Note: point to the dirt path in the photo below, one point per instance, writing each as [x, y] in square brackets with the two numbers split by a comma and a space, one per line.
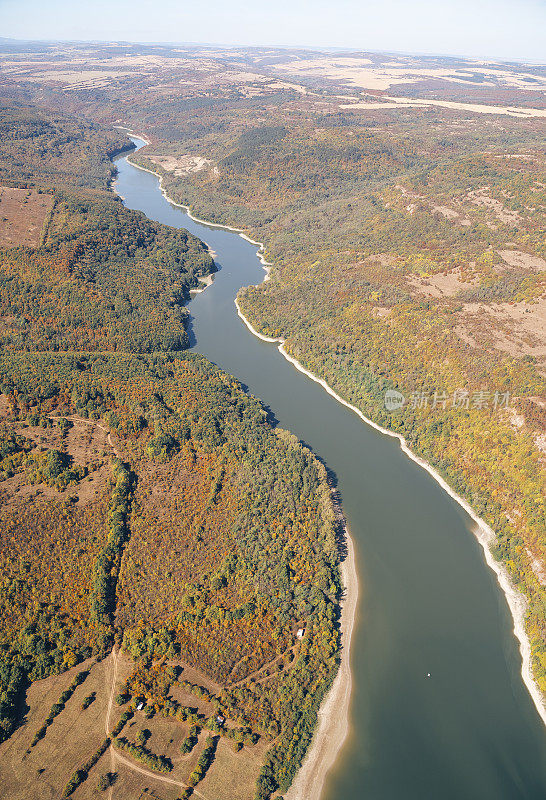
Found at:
[257, 672]
[94, 423]
[115, 756]
[109, 440]
[114, 660]
[181, 785]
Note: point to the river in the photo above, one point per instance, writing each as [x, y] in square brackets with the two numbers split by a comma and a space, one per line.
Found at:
[428, 603]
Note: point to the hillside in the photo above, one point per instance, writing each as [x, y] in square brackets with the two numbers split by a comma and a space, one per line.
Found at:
[401, 202]
[409, 265]
[161, 542]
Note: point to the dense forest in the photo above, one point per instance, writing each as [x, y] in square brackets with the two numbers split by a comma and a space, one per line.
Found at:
[102, 277]
[55, 150]
[146, 503]
[407, 255]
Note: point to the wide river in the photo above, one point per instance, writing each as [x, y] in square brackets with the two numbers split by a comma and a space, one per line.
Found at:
[428, 603]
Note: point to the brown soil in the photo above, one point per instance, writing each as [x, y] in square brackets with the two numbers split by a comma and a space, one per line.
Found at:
[181, 165]
[440, 285]
[87, 442]
[518, 259]
[481, 197]
[22, 216]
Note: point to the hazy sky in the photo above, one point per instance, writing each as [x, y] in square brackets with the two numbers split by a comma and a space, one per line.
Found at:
[476, 28]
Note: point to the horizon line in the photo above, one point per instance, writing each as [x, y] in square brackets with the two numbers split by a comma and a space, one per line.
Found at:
[309, 48]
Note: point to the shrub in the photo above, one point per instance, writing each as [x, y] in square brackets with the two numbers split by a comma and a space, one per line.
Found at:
[104, 783]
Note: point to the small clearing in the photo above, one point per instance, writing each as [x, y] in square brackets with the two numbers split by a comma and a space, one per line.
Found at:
[440, 285]
[481, 197]
[181, 165]
[23, 213]
[518, 259]
[518, 329]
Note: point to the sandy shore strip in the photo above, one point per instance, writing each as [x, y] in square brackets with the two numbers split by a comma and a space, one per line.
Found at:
[485, 535]
[240, 231]
[483, 532]
[205, 282]
[333, 716]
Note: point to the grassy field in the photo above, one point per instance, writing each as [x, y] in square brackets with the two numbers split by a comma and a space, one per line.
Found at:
[23, 213]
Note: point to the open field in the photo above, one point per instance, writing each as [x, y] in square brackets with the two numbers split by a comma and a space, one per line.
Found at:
[401, 203]
[515, 328]
[362, 72]
[197, 72]
[23, 213]
[398, 102]
[41, 772]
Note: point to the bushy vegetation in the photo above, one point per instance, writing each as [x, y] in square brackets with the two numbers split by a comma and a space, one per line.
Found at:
[156, 762]
[102, 598]
[55, 469]
[196, 595]
[359, 214]
[47, 557]
[104, 278]
[41, 147]
[205, 760]
[360, 217]
[212, 539]
[190, 741]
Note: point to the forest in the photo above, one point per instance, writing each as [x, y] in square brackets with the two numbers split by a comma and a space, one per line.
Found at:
[102, 277]
[408, 254]
[147, 506]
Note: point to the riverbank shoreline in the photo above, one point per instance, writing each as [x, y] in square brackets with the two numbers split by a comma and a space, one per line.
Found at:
[205, 283]
[333, 726]
[333, 716]
[485, 535]
[516, 601]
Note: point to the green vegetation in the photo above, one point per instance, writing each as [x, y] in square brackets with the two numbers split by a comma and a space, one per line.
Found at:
[142, 754]
[102, 599]
[87, 701]
[82, 774]
[204, 762]
[59, 706]
[208, 539]
[190, 741]
[44, 148]
[104, 279]
[387, 240]
[386, 229]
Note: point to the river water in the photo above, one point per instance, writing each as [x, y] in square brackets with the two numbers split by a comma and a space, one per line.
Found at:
[428, 602]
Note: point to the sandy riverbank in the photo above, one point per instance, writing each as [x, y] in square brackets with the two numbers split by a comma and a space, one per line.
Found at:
[205, 282]
[482, 531]
[333, 715]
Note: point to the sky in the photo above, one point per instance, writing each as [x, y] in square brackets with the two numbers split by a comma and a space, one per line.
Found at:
[509, 29]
